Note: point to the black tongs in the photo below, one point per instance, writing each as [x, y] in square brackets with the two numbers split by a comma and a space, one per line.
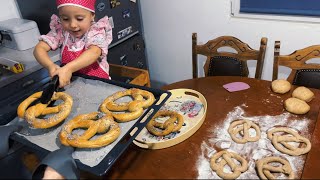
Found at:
[49, 90]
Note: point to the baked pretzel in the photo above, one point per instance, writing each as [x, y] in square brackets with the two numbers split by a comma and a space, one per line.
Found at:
[32, 113]
[282, 142]
[173, 124]
[141, 99]
[227, 159]
[95, 125]
[265, 168]
[241, 127]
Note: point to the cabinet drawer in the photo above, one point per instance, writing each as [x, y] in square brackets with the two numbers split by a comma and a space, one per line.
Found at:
[129, 53]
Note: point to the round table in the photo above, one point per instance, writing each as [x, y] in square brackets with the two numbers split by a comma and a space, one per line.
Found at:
[182, 160]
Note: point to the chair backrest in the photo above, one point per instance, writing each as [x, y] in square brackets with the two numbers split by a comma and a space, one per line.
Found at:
[223, 63]
[302, 73]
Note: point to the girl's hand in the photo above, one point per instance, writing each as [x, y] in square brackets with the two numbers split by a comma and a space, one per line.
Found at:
[64, 76]
[50, 173]
[52, 69]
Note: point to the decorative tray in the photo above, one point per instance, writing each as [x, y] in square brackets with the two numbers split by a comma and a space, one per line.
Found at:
[191, 105]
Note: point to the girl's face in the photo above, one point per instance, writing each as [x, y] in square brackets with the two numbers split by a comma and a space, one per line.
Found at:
[75, 20]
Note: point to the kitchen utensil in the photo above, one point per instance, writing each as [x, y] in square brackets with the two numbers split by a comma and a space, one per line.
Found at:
[49, 90]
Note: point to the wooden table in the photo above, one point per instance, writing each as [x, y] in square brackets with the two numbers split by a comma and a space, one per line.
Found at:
[180, 161]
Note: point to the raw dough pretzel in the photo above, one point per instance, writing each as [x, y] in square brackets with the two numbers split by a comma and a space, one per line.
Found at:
[32, 113]
[265, 168]
[168, 126]
[281, 142]
[227, 159]
[134, 107]
[242, 127]
[94, 125]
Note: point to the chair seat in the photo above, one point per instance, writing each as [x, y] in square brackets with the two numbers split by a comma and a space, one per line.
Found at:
[121, 79]
[130, 75]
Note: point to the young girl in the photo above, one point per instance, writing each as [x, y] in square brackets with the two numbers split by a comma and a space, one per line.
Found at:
[84, 47]
[83, 42]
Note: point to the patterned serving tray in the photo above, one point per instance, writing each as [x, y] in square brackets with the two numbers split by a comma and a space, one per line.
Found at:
[191, 105]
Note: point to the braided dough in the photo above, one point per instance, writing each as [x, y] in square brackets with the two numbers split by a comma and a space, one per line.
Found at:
[173, 124]
[242, 127]
[142, 100]
[280, 86]
[296, 106]
[264, 167]
[281, 142]
[227, 158]
[32, 113]
[95, 125]
[303, 93]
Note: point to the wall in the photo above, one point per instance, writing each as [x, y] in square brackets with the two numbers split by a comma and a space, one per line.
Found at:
[168, 26]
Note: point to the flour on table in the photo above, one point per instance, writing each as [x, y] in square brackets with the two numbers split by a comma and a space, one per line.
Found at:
[251, 151]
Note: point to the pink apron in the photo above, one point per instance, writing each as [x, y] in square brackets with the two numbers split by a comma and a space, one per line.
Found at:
[69, 55]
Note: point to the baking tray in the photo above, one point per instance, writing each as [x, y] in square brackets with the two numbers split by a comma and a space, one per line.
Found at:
[119, 148]
[189, 103]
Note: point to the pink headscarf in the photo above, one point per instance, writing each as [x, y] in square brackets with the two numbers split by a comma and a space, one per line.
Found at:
[86, 4]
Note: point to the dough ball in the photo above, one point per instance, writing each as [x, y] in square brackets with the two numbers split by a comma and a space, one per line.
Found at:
[296, 106]
[280, 86]
[303, 93]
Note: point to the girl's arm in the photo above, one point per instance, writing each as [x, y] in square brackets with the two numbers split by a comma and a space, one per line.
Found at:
[88, 57]
[41, 54]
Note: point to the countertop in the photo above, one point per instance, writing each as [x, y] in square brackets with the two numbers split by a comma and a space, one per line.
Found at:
[26, 58]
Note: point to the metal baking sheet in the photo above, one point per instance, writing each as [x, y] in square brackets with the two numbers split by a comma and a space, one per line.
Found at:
[88, 93]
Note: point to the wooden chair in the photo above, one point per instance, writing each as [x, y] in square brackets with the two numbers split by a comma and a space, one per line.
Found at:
[227, 63]
[135, 75]
[302, 73]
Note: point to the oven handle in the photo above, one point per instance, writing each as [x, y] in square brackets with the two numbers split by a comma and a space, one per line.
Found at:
[1, 37]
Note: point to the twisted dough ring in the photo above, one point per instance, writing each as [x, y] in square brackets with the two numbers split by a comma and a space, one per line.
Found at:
[134, 107]
[94, 125]
[242, 127]
[264, 167]
[32, 113]
[227, 159]
[285, 140]
[168, 126]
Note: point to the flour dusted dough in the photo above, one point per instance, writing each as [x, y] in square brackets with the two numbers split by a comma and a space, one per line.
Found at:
[237, 163]
[280, 86]
[303, 93]
[239, 131]
[266, 167]
[296, 106]
[283, 137]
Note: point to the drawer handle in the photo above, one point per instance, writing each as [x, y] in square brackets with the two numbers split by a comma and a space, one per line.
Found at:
[28, 83]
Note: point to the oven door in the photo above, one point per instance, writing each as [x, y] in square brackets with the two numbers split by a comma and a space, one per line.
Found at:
[14, 93]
